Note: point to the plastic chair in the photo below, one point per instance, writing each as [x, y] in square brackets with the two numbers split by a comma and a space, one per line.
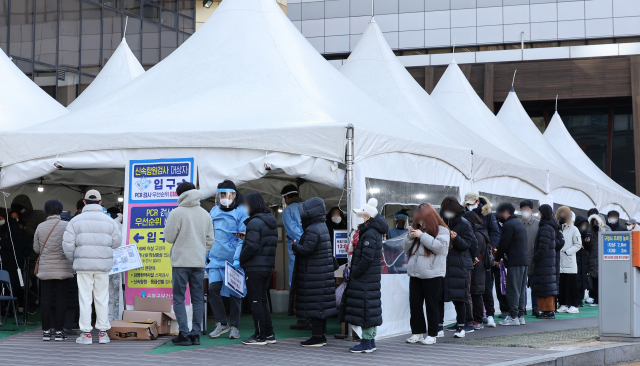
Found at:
[5, 281]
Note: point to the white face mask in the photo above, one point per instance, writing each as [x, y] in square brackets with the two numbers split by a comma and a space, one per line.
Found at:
[613, 220]
[336, 219]
[526, 214]
[2, 222]
[629, 227]
[449, 215]
[226, 202]
[471, 207]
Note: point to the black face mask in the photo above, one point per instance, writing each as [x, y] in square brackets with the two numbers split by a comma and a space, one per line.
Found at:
[562, 220]
[502, 219]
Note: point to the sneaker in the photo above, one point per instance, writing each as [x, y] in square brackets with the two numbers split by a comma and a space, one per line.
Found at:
[60, 336]
[468, 328]
[234, 333]
[324, 340]
[220, 330]
[535, 312]
[417, 338]
[490, 322]
[589, 300]
[373, 345]
[195, 338]
[562, 309]
[502, 315]
[70, 331]
[301, 325]
[485, 320]
[478, 326]
[103, 338]
[85, 338]
[46, 335]
[521, 320]
[459, 333]
[363, 347]
[440, 334]
[255, 341]
[429, 340]
[547, 315]
[313, 342]
[271, 339]
[183, 339]
[509, 321]
[593, 305]
[452, 328]
[573, 310]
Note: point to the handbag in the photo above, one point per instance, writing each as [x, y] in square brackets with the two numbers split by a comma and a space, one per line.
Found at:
[35, 270]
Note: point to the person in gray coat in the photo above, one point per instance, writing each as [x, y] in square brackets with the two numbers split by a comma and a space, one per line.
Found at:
[88, 242]
[54, 270]
[531, 225]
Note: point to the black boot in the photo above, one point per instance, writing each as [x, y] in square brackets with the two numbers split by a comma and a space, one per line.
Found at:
[195, 338]
[535, 312]
[314, 341]
[183, 339]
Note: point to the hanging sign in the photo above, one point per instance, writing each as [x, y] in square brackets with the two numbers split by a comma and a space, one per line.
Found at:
[151, 196]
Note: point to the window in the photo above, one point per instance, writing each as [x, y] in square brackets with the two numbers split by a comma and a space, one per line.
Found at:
[186, 7]
[150, 44]
[132, 6]
[113, 3]
[4, 22]
[169, 42]
[622, 153]
[90, 40]
[182, 37]
[111, 34]
[45, 77]
[589, 126]
[151, 12]
[169, 19]
[46, 37]
[170, 4]
[21, 29]
[69, 39]
[134, 36]
[25, 66]
[186, 25]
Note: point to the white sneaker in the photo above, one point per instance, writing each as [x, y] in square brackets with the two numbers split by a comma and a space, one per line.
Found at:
[562, 309]
[85, 338]
[490, 322]
[459, 334]
[415, 338]
[593, 305]
[521, 320]
[509, 321]
[573, 310]
[440, 334]
[104, 338]
[429, 340]
[589, 300]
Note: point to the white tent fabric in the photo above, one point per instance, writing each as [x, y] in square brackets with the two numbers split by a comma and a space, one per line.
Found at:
[456, 95]
[122, 67]
[611, 192]
[22, 102]
[374, 68]
[246, 80]
[516, 119]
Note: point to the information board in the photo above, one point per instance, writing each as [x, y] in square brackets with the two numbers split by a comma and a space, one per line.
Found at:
[234, 279]
[125, 259]
[152, 192]
[340, 243]
[616, 246]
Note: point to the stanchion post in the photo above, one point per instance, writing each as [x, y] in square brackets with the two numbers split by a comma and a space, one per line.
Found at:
[350, 218]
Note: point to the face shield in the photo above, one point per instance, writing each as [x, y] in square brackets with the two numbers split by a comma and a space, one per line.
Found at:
[225, 197]
[284, 201]
[401, 222]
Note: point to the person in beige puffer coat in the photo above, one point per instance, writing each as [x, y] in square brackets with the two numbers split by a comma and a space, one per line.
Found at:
[53, 270]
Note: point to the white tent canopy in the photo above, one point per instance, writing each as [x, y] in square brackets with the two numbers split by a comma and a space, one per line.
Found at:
[122, 67]
[611, 193]
[456, 95]
[375, 69]
[516, 119]
[22, 102]
[246, 80]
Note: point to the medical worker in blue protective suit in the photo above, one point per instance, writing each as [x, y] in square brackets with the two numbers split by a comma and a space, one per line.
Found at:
[293, 225]
[401, 224]
[228, 223]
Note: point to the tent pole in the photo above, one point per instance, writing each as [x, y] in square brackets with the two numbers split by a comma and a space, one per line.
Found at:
[349, 161]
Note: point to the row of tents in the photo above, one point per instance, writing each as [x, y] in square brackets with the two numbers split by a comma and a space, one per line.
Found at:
[250, 99]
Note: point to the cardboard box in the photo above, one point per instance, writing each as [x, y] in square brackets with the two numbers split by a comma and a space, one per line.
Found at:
[154, 309]
[131, 331]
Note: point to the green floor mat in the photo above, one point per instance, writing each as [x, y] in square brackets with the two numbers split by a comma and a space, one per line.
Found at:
[21, 328]
[585, 312]
[281, 323]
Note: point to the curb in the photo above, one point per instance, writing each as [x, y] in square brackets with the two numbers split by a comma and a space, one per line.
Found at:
[589, 356]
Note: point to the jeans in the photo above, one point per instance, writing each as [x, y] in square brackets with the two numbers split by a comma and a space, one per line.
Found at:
[257, 287]
[292, 261]
[460, 312]
[53, 292]
[424, 291]
[318, 327]
[195, 278]
[517, 290]
[369, 333]
[93, 287]
[219, 312]
[488, 294]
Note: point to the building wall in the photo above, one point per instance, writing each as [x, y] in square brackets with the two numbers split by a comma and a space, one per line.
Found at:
[202, 13]
[63, 44]
[334, 26]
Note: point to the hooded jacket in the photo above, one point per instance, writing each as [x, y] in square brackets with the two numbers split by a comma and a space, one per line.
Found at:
[572, 242]
[545, 278]
[259, 249]
[489, 220]
[513, 243]
[89, 240]
[313, 284]
[7, 245]
[425, 266]
[31, 218]
[582, 257]
[458, 259]
[190, 231]
[363, 303]
[53, 263]
[226, 246]
[593, 244]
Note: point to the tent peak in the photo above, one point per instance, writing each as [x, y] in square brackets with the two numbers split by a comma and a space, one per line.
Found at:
[373, 20]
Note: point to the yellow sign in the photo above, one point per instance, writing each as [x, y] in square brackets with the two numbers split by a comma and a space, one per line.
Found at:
[154, 253]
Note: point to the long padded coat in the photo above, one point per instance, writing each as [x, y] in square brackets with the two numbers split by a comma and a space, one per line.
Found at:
[479, 273]
[545, 278]
[458, 260]
[363, 306]
[313, 285]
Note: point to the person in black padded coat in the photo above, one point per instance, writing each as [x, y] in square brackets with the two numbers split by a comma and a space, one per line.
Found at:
[313, 284]
[363, 297]
[544, 283]
[257, 259]
[457, 281]
[480, 268]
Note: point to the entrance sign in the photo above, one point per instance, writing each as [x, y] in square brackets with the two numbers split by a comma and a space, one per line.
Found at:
[340, 243]
[234, 279]
[616, 247]
[151, 186]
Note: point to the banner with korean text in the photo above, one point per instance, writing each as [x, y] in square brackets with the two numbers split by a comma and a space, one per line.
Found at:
[151, 192]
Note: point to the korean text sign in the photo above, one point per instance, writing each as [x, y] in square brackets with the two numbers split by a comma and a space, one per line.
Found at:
[340, 243]
[616, 247]
[152, 192]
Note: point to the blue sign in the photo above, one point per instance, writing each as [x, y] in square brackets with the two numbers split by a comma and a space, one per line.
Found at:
[340, 243]
[616, 246]
[155, 181]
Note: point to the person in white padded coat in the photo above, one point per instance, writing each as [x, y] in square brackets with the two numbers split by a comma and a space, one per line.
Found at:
[568, 297]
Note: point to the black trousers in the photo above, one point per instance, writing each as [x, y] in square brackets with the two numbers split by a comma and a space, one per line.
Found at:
[502, 299]
[53, 292]
[469, 303]
[461, 312]
[477, 308]
[257, 287]
[593, 293]
[568, 292]
[488, 294]
[72, 316]
[318, 327]
[427, 292]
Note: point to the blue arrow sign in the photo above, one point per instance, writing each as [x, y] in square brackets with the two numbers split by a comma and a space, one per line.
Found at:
[138, 237]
